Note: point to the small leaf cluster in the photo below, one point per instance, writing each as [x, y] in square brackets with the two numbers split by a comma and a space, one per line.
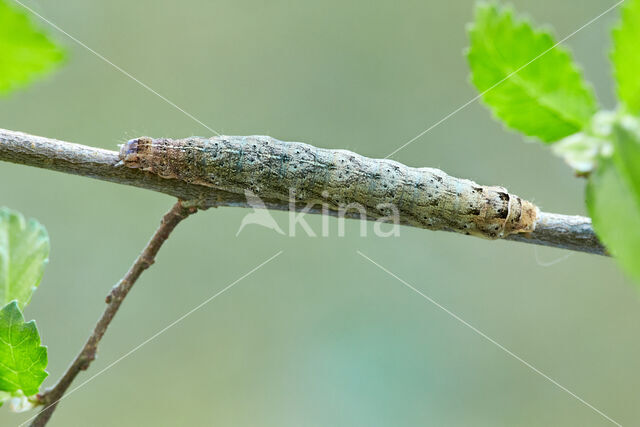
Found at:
[532, 84]
[24, 251]
[25, 53]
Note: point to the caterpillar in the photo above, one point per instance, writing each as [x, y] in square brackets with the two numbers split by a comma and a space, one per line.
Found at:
[273, 169]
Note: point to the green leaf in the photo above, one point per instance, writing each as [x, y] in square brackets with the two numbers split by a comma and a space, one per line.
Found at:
[529, 84]
[24, 248]
[626, 57]
[616, 215]
[22, 359]
[25, 52]
[626, 154]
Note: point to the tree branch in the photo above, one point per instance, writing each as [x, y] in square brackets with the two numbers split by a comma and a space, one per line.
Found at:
[52, 396]
[561, 231]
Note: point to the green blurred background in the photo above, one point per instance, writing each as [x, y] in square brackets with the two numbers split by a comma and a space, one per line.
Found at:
[319, 336]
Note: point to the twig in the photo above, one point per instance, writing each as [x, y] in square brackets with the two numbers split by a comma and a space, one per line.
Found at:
[562, 231]
[50, 398]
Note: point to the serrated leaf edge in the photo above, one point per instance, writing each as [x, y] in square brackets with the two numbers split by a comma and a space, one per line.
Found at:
[538, 30]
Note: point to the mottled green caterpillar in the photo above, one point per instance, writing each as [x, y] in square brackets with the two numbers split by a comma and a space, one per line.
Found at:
[274, 169]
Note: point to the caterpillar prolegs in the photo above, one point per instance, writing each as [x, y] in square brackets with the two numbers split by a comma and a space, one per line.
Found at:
[273, 169]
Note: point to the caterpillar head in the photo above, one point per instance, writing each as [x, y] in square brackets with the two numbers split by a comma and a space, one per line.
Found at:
[134, 152]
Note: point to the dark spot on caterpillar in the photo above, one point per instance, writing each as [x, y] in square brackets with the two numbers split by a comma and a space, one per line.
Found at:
[477, 189]
[438, 178]
[503, 196]
[474, 211]
[503, 213]
[519, 214]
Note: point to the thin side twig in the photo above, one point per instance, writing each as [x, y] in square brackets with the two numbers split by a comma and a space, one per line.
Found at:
[555, 230]
[50, 398]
